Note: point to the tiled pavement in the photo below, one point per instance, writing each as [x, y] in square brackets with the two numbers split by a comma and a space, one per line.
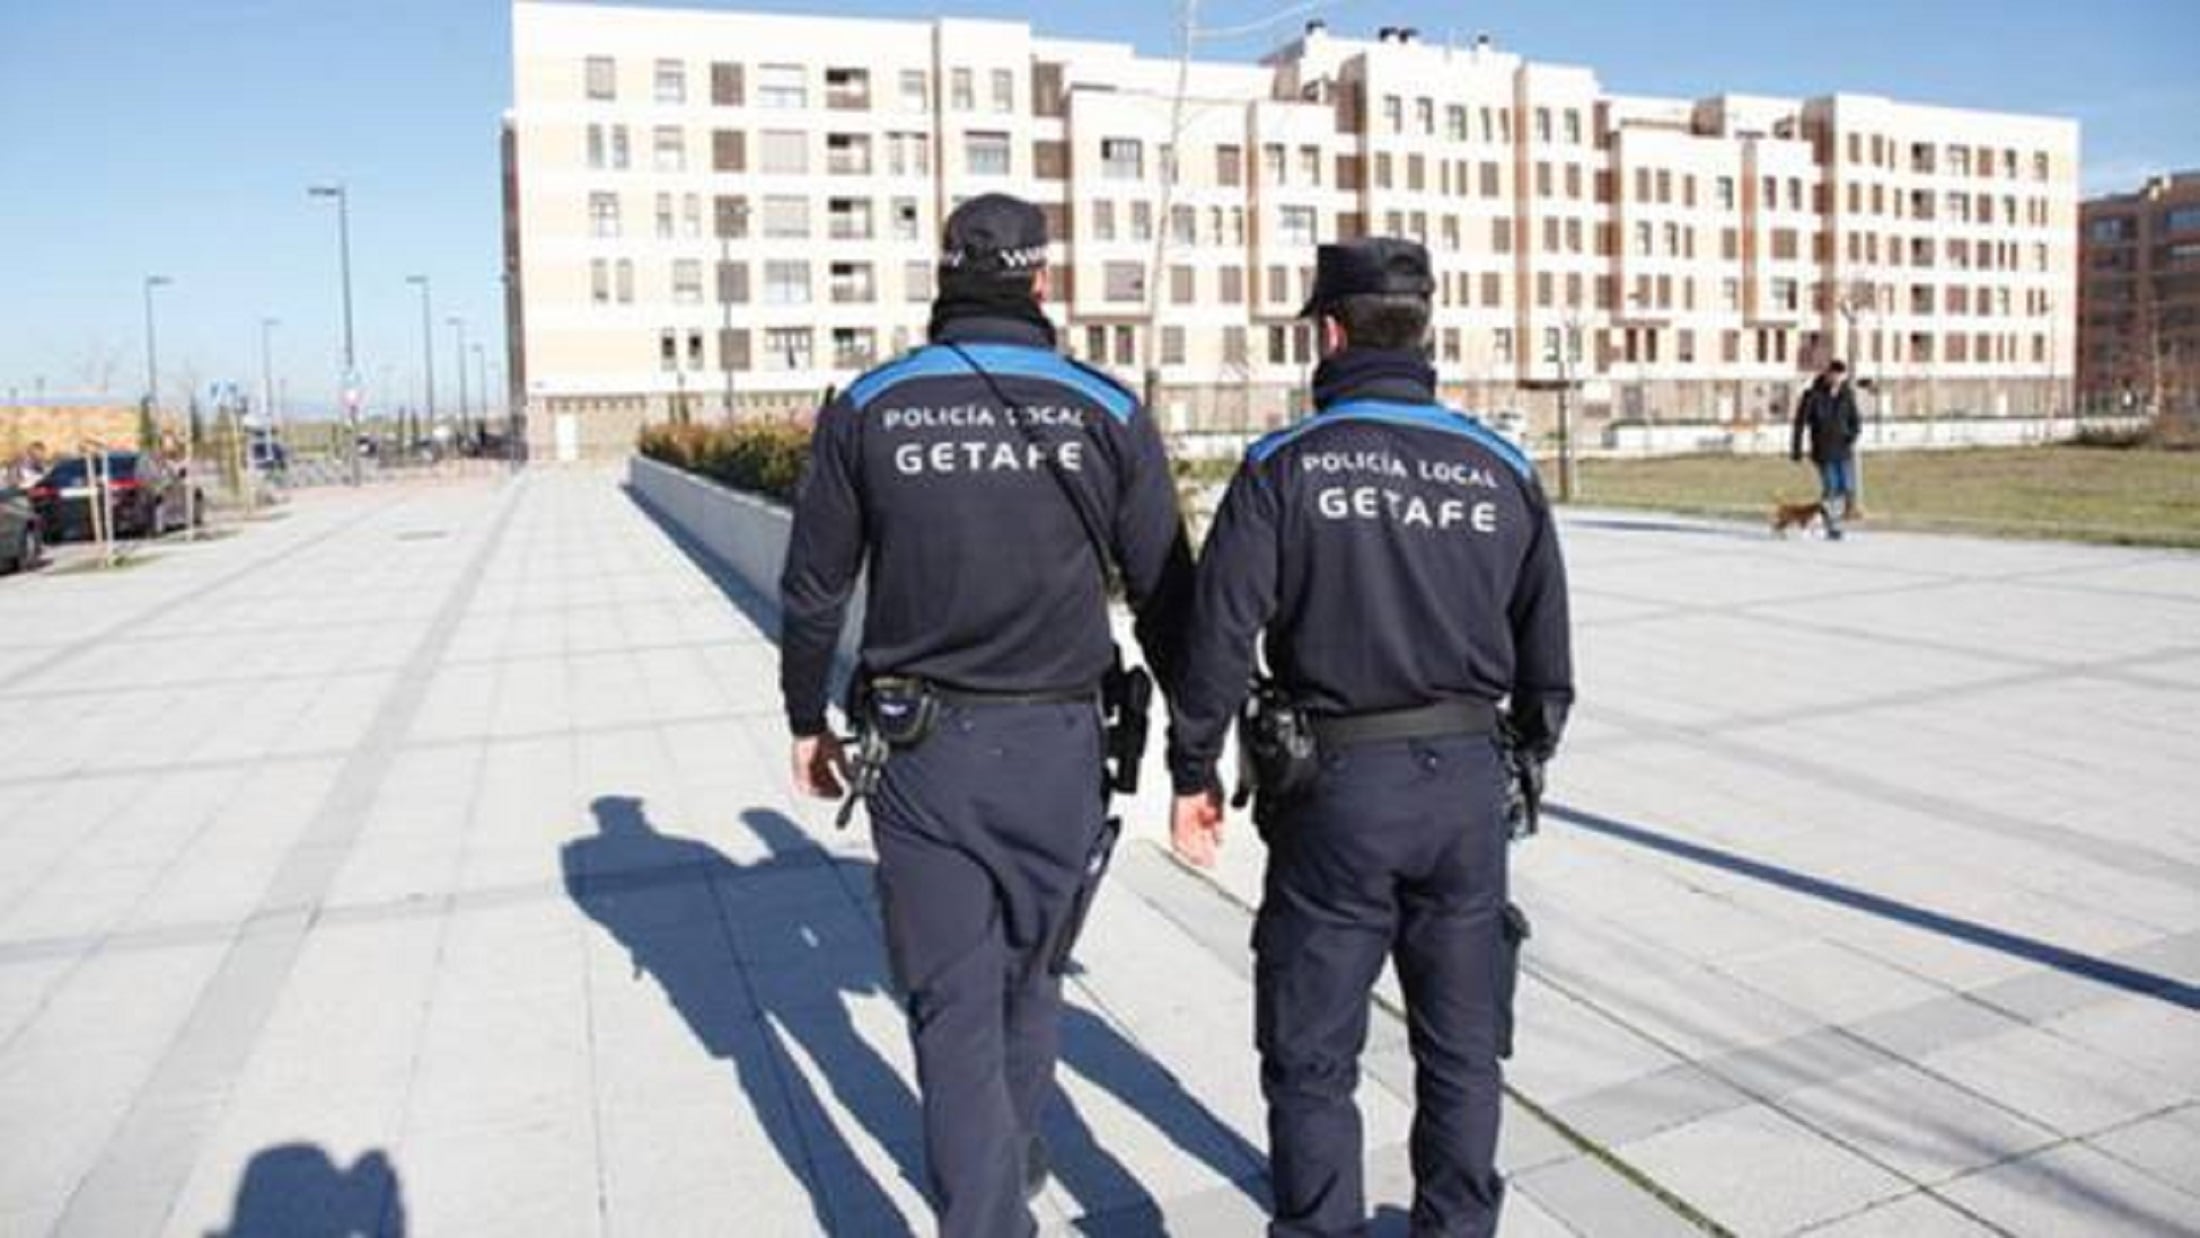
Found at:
[423, 860]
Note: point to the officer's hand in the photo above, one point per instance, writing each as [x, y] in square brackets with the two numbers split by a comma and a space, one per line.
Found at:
[1195, 831]
[818, 762]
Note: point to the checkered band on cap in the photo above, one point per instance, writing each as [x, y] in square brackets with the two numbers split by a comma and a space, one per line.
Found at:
[1029, 258]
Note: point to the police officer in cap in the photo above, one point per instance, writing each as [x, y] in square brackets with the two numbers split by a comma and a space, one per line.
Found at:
[987, 484]
[1401, 564]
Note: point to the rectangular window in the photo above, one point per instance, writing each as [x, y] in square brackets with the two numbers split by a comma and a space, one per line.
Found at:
[854, 347]
[1233, 346]
[787, 217]
[1501, 234]
[1394, 114]
[687, 281]
[602, 77]
[848, 90]
[784, 151]
[986, 154]
[599, 281]
[603, 214]
[786, 282]
[618, 147]
[787, 348]
[1501, 345]
[848, 154]
[664, 217]
[595, 146]
[725, 84]
[733, 283]
[851, 283]
[1181, 288]
[1229, 164]
[728, 150]
[1310, 164]
[730, 215]
[1141, 221]
[1125, 281]
[905, 219]
[671, 82]
[965, 98]
[1296, 225]
[848, 219]
[1543, 124]
[1272, 163]
[1232, 284]
[1573, 127]
[782, 86]
[669, 148]
[1455, 122]
[623, 273]
[1004, 90]
[1489, 179]
[916, 281]
[1172, 345]
[733, 348]
[1103, 221]
[914, 96]
[1122, 159]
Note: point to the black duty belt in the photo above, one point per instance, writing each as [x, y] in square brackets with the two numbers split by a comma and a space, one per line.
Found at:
[965, 698]
[1456, 717]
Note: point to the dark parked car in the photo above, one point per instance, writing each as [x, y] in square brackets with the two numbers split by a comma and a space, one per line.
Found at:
[146, 497]
[20, 539]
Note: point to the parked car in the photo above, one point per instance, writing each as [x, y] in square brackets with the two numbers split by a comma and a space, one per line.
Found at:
[21, 542]
[146, 497]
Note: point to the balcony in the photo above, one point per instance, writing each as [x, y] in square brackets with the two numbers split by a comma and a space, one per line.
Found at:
[847, 154]
[848, 90]
[852, 284]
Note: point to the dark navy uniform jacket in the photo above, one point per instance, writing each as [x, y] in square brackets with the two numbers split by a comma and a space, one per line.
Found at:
[1397, 554]
[981, 575]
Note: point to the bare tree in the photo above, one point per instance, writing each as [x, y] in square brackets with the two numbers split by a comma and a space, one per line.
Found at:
[97, 364]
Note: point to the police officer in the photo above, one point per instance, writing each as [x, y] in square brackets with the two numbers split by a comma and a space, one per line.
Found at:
[981, 480]
[1402, 562]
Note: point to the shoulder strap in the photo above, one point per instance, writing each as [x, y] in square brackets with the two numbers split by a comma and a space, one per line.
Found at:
[1085, 517]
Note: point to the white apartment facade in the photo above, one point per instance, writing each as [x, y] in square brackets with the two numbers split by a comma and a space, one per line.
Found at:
[714, 210]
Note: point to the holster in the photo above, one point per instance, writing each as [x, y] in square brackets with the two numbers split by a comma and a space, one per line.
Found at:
[1523, 788]
[1126, 710]
[1513, 935]
[1073, 924]
[1277, 756]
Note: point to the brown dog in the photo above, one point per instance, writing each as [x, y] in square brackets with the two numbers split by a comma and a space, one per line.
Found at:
[1786, 515]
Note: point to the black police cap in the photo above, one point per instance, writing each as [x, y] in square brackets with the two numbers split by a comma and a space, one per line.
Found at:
[994, 233]
[1376, 266]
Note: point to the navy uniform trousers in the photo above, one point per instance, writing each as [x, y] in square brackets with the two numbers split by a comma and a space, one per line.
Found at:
[1397, 851]
[984, 832]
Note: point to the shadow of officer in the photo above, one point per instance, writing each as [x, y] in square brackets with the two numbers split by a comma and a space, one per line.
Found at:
[659, 896]
[294, 1190]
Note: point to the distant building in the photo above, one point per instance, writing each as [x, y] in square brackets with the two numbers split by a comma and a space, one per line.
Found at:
[705, 208]
[2139, 330]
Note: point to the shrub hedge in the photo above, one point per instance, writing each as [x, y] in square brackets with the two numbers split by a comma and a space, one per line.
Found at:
[761, 457]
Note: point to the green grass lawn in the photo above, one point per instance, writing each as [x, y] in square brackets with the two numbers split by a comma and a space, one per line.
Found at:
[2132, 496]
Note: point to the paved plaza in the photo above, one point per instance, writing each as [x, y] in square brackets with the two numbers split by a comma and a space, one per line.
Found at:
[422, 860]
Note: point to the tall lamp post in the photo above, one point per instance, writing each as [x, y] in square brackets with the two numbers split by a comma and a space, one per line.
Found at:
[481, 384]
[152, 360]
[351, 359]
[427, 343]
[458, 328]
[267, 376]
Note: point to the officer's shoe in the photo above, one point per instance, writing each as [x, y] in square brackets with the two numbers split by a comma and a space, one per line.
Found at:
[1037, 1169]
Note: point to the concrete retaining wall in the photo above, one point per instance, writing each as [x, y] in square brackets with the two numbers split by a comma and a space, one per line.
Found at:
[1904, 434]
[744, 534]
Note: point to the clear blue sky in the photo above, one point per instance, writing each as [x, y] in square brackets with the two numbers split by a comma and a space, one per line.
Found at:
[178, 136]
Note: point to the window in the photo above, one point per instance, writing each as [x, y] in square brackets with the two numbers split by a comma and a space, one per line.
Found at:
[1103, 221]
[1271, 163]
[1232, 284]
[1004, 90]
[1501, 234]
[1730, 295]
[1172, 345]
[1424, 115]
[1489, 180]
[848, 90]
[1394, 114]
[664, 217]
[1455, 123]
[964, 99]
[668, 350]
[725, 84]
[595, 146]
[728, 150]
[1296, 225]
[687, 281]
[1141, 221]
[603, 214]
[851, 283]
[1276, 286]
[787, 217]
[1784, 295]
[985, 154]
[1181, 288]
[1643, 239]
[781, 85]
[854, 347]
[1123, 159]
[916, 281]
[848, 154]
[1543, 124]
[1125, 281]
[905, 219]
[602, 75]
[1229, 164]
[599, 281]
[623, 273]
[914, 96]
[1573, 133]
[848, 219]
[730, 215]
[783, 151]
[2181, 219]
[669, 145]
[1126, 346]
[1310, 165]
[733, 283]
[1233, 346]
[618, 147]
[787, 348]
[671, 82]
[908, 153]
[1501, 345]
[786, 282]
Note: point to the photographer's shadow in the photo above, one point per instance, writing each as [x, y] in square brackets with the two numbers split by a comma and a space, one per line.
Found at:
[756, 955]
[294, 1190]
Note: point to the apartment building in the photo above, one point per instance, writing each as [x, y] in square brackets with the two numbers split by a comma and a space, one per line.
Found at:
[2139, 325]
[712, 210]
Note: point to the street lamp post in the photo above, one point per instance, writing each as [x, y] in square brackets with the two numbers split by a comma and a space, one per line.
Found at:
[481, 384]
[351, 360]
[267, 374]
[458, 328]
[427, 344]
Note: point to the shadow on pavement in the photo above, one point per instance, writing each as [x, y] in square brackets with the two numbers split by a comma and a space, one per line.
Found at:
[2046, 954]
[293, 1190]
[761, 958]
